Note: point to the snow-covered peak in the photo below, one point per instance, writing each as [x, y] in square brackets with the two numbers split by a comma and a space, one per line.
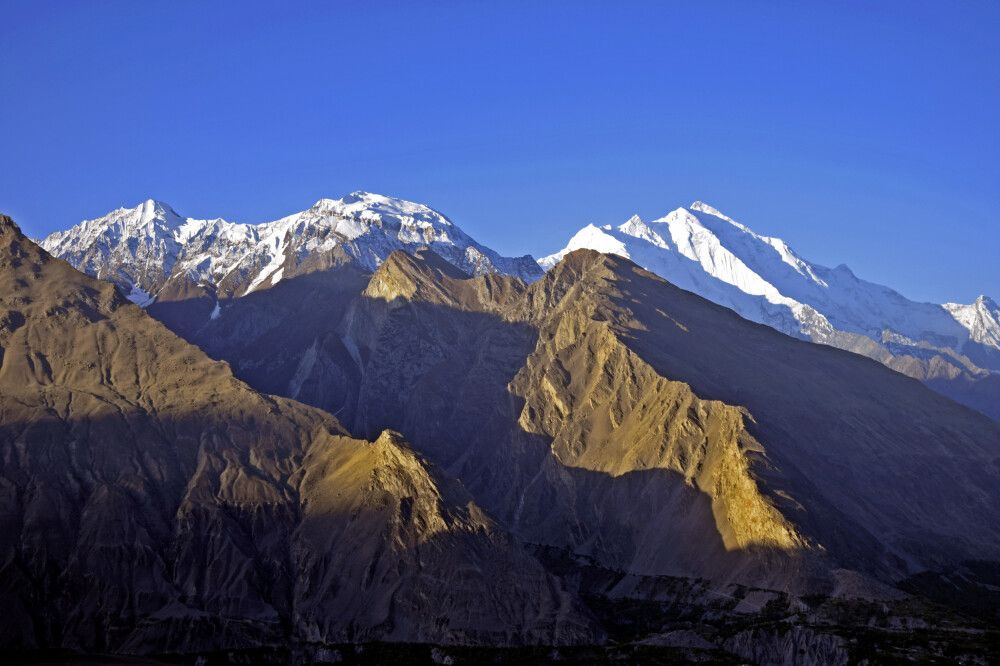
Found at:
[368, 204]
[703, 250]
[588, 238]
[703, 207]
[150, 216]
[143, 248]
[151, 209]
[129, 246]
[635, 227]
[981, 318]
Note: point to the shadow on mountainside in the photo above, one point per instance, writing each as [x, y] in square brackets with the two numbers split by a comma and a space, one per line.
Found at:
[132, 533]
[441, 375]
[841, 426]
[128, 534]
[128, 563]
[839, 429]
[959, 376]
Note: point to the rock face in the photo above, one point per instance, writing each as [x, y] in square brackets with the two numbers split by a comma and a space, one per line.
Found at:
[953, 348]
[150, 501]
[154, 254]
[604, 411]
[794, 647]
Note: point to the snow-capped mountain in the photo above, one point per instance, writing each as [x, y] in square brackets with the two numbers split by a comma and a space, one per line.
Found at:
[702, 250]
[150, 249]
[982, 319]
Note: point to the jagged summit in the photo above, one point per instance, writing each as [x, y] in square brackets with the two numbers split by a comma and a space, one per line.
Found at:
[703, 207]
[152, 253]
[157, 207]
[981, 318]
[7, 225]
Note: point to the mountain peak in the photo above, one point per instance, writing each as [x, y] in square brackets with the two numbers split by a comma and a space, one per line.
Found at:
[413, 275]
[364, 195]
[149, 204]
[361, 202]
[588, 238]
[156, 204]
[355, 197]
[985, 301]
[7, 225]
[703, 207]
[677, 215]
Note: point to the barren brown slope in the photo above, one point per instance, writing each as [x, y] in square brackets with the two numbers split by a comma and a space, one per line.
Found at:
[291, 339]
[869, 466]
[151, 501]
[605, 411]
[466, 377]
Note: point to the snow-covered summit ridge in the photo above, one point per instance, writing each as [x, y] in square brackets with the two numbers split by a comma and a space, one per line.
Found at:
[981, 318]
[146, 247]
[763, 279]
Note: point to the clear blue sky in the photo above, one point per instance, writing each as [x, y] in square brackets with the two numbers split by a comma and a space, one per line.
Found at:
[862, 133]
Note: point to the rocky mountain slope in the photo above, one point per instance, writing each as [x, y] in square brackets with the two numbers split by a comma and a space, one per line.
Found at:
[537, 463]
[154, 254]
[151, 502]
[606, 412]
[953, 348]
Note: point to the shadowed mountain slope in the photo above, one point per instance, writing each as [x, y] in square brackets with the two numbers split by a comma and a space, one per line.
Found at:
[605, 411]
[150, 501]
[869, 460]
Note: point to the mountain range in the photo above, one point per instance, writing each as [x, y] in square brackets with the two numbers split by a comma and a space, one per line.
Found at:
[383, 438]
[155, 255]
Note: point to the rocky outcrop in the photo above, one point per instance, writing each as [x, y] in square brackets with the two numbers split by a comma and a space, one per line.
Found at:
[797, 646]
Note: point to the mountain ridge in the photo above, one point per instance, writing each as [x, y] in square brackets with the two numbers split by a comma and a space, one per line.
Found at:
[158, 257]
[153, 253]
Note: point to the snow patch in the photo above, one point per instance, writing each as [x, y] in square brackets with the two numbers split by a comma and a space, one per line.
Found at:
[140, 297]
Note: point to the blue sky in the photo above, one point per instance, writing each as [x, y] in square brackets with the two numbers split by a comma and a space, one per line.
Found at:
[862, 133]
